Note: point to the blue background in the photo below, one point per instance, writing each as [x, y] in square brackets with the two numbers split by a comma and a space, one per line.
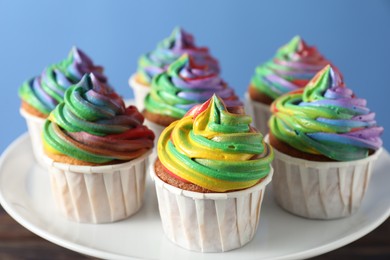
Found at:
[355, 35]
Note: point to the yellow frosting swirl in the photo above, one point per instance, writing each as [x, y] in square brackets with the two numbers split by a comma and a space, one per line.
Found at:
[215, 149]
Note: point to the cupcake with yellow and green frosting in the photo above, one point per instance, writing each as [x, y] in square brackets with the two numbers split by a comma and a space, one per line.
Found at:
[214, 164]
[325, 140]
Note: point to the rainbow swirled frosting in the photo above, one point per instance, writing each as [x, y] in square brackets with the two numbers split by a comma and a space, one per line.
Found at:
[184, 85]
[292, 67]
[77, 64]
[169, 50]
[44, 92]
[215, 149]
[93, 125]
[326, 118]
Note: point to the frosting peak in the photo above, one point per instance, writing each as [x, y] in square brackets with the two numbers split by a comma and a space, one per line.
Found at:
[326, 118]
[215, 149]
[296, 46]
[169, 50]
[326, 79]
[178, 40]
[80, 57]
[78, 63]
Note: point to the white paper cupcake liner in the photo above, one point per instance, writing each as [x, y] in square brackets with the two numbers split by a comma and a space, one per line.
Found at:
[140, 91]
[321, 190]
[35, 128]
[260, 113]
[98, 194]
[209, 222]
[156, 128]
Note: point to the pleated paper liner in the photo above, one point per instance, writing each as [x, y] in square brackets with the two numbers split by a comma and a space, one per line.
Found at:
[35, 128]
[156, 128]
[140, 91]
[98, 194]
[209, 222]
[259, 112]
[321, 190]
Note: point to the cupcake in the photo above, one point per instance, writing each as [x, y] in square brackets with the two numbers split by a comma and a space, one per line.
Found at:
[183, 85]
[292, 67]
[158, 60]
[210, 178]
[41, 94]
[326, 142]
[96, 151]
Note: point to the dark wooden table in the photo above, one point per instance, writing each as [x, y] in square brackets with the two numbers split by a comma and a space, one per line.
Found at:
[16, 242]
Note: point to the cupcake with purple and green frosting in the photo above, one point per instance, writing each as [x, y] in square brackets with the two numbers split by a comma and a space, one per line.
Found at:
[167, 51]
[184, 85]
[41, 94]
[96, 152]
[326, 119]
[326, 141]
